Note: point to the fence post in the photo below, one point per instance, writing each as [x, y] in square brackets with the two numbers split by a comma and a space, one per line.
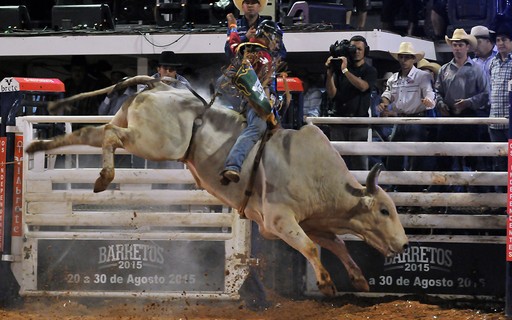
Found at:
[508, 283]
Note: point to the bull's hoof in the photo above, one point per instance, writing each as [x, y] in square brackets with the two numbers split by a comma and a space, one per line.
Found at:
[35, 146]
[360, 284]
[328, 289]
[99, 186]
[105, 178]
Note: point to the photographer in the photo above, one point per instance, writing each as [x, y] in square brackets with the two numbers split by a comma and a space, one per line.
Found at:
[349, 82]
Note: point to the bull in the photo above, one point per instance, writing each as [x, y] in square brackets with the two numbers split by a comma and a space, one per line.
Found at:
[303, 192]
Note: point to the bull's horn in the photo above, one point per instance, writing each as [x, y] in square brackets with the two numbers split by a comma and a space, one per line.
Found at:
[373, 176]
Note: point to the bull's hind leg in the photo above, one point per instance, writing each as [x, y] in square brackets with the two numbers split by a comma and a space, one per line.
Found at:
[284, 225]
[337, 246]
[112, 139]
[92, 136]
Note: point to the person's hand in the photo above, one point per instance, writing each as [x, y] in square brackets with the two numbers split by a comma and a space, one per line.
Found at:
[381, 107]
[328, 62]
[388, 113]
[444, 109]
[231, 20]
[460, 105]
[251, 33]
[428, 103]
[344, 62]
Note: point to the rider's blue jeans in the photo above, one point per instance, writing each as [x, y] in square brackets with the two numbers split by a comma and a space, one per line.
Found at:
[255, 129]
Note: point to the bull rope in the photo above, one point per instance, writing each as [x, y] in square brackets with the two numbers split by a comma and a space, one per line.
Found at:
[252, 177]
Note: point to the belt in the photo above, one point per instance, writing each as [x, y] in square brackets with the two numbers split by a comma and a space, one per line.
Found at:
[419, 114]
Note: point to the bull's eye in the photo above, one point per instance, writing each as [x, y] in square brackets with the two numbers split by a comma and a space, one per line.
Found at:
[384, 212]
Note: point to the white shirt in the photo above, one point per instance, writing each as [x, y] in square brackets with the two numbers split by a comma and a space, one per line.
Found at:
[406, 93]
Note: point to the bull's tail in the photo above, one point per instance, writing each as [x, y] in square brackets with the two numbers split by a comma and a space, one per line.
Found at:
[56, 106]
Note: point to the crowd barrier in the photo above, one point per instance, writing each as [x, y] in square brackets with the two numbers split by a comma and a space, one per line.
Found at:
[153, 233]
[450, 247]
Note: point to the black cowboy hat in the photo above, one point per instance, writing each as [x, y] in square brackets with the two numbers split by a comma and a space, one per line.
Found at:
[168, 58]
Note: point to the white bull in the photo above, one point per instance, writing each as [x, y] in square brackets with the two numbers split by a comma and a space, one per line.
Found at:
[303, 191]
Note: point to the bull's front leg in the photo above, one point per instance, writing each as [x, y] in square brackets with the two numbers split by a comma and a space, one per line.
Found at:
[337, 246]
[111, 141]
[285, 226]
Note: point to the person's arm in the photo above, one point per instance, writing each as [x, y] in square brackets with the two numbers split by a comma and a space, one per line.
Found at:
[329, 84]
[233, 39]
[427, 92]
[482, 97]
[361, 84]
[441, 106]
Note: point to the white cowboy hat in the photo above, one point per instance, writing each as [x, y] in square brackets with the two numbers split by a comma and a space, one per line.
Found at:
[481, 31]
[461, 35]
[238, 4]
[408, 48]
[425, 64]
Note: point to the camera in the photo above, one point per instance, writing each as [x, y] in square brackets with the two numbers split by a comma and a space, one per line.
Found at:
[342, 48]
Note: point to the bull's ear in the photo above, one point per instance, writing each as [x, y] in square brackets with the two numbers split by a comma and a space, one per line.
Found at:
[373, 176]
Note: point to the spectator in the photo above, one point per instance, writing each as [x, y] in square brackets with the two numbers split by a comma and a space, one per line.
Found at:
[485, 51]
[114, 100]
[431, 67]
[462, 89]
[349, 82]
[168, 67]
[380, 132]
[432, 129]
[81, 81]
[246, 25]
[410, 90]
[501, 73]
[439, 18]
[361, 6]
[389, 11]
[117, 75]
[312, 97]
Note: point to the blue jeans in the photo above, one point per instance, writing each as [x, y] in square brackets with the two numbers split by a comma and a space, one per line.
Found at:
[255, 129]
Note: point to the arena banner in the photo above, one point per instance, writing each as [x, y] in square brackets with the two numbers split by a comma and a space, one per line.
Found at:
[17, 200]
[426, 268]
[149, 266]
[3, 155]
[509, 203]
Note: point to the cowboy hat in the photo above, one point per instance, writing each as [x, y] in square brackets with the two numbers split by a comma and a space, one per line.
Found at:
[461, 35]
[432, 66]
[502, 29]
[238, 4]
[408, 49]
[168, 58]
[481, 32]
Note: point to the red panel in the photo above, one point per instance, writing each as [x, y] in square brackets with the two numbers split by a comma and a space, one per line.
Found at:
[294, 84]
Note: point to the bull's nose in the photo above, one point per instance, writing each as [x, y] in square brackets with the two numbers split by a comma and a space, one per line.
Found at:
[405, 246]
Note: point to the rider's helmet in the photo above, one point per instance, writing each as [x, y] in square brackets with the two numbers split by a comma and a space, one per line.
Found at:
[269, 29]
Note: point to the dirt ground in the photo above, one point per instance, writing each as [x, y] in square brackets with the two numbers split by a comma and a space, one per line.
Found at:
[281, 309]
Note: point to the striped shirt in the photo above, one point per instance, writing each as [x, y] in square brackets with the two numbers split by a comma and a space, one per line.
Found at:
[501, 74]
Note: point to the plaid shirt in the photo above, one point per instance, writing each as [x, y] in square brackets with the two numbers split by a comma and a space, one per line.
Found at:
[500, 72]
